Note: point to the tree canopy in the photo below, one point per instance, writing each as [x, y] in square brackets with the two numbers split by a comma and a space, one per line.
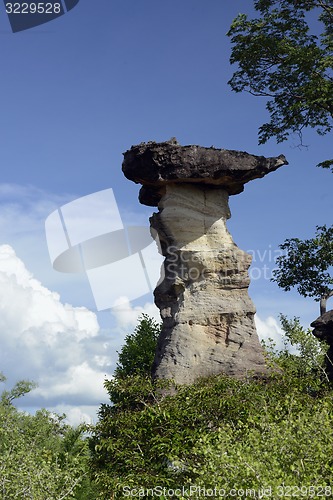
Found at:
[307, 265]
[138, 351]
[222, 432]
[132, 377]
[286, 55]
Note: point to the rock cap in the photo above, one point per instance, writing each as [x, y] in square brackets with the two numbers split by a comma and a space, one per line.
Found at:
[156, 164]
[323, 327]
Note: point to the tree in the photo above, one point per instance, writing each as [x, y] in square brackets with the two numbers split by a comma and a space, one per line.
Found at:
[20, 389]
[42, 457]
[310, 358]
[137, 354]
[132, 385]
[280, 59]
[222, 432]
[307, 265]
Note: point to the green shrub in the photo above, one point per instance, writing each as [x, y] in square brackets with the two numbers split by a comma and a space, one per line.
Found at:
[41, 456]
[220, 432]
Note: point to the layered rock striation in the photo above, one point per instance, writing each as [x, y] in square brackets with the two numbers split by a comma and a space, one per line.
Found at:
[208, 316]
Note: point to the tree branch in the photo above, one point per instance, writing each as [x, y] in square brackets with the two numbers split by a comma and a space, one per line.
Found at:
[326, 8]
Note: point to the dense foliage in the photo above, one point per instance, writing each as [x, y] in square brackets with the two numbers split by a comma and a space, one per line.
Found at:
[138, 351]
[217, 436]
[44, 458]
[286, 55]
[307, 265]
[41, 457]
[132, 376]
[220, 432]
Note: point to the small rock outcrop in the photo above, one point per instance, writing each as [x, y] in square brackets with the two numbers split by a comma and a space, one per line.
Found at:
[323, 330]
[208, 316]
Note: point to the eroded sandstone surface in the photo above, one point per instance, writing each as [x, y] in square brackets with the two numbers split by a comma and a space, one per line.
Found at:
[208, 316]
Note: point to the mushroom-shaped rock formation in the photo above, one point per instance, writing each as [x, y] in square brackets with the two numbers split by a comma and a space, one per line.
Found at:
[208, 316]
[323, 330]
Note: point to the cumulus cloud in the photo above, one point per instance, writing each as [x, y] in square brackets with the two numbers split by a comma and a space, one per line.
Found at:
[56, 345]
[270, 329]
[127, 315]
[67, 350]
[23, 210]
[77, 415]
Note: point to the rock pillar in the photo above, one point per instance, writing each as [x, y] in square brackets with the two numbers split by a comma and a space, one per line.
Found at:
[208, 316]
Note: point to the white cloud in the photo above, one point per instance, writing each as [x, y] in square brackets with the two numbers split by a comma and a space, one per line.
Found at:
[24, 209]
[126, 315]
[44, 339]
[269, 329]
[81, 381]
[77, 415]
[56, 345]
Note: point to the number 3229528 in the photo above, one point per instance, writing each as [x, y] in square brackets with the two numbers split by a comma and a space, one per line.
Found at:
[33, 8]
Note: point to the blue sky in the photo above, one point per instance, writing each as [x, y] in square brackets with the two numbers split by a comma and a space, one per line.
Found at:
[75, 94]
